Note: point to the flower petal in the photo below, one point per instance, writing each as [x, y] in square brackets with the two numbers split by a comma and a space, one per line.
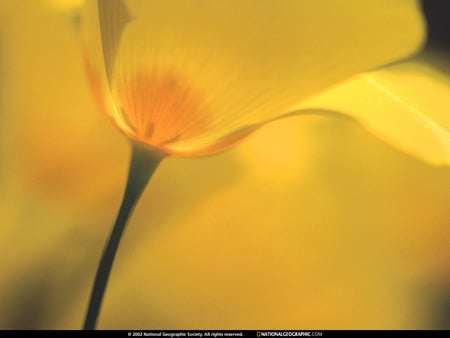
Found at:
[406, 105]
[234, 64]
[113, 17]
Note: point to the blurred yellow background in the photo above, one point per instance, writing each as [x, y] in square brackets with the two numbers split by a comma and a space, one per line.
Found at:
[310, 223]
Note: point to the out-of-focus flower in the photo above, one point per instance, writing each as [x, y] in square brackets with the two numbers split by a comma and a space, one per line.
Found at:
[194, 77]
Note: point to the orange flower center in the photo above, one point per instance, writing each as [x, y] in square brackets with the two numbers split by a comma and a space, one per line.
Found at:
[161, 108]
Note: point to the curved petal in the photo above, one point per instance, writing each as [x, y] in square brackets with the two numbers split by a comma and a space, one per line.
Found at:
[406, 105]
[186, 75]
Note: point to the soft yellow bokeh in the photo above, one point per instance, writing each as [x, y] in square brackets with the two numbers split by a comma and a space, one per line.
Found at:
[65, 5]
[311, 222]
[337, 248]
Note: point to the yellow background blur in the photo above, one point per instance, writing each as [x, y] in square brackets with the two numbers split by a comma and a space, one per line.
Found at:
[310, 223]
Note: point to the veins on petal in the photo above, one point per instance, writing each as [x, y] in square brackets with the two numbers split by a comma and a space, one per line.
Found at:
[162, 107]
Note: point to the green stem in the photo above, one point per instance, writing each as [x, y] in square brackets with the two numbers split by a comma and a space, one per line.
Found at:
[144, 161]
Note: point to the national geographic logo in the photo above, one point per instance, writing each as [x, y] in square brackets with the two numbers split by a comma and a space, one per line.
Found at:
[288, 334]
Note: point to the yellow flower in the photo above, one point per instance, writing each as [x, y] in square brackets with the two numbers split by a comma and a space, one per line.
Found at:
[192, 78]
[333, 223]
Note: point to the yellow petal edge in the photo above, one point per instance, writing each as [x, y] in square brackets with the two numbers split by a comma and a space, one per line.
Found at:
[406, 105]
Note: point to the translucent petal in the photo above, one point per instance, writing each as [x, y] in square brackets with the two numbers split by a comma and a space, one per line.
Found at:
[193, 77]
[113, 17]
[406, 105]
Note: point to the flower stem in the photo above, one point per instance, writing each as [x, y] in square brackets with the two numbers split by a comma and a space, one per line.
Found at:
[143, 164]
